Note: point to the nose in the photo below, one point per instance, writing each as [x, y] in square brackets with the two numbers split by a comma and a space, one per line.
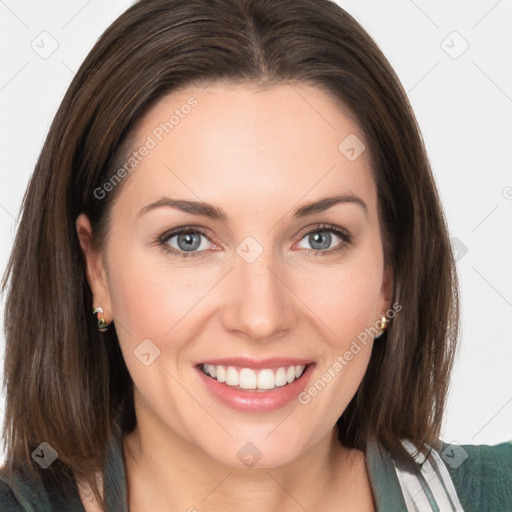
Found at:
[259, 304]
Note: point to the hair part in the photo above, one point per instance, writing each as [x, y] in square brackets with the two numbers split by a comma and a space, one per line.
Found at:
[59, 371]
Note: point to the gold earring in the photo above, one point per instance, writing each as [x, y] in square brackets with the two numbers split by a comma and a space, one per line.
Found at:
[102, 323]
[383, 323]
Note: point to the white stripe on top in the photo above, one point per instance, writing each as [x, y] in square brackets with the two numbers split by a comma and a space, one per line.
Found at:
[430, 491]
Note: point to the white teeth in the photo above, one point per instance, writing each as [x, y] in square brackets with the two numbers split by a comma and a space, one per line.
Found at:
[280, 377]
[220, 371]
[231, 376]
[211, 369]
[248, 378]
[266, 379]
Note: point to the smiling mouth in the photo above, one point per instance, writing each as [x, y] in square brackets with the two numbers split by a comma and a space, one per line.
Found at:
[248, 379]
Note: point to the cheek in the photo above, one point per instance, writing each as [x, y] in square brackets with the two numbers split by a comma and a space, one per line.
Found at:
[155, 296]
[349, 306]
[149, 297]
[154, 301]
[345, 298]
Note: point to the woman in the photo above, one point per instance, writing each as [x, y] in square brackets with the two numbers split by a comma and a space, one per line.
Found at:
[232, 286]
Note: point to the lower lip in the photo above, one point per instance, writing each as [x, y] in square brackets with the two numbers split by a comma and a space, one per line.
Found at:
[256, 401]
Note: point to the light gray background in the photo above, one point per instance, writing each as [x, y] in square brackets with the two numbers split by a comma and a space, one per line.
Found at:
[463, 101]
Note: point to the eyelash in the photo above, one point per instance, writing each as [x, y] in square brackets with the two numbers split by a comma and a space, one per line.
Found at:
[163, 240]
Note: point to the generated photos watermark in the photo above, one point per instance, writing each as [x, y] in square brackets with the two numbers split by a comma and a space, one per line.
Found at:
[342, 360]
[152, 140]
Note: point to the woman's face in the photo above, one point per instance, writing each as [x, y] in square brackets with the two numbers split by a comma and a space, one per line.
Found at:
[259, 284]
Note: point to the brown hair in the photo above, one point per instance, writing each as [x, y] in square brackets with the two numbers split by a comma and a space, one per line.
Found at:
[67, 384]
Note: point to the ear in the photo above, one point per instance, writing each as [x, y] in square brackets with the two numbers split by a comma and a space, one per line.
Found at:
[386, 290]
[95, 267]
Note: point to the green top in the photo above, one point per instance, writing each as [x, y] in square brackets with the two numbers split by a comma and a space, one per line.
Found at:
[481, 477]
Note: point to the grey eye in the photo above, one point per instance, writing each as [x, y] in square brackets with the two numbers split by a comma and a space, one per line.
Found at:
[321, 240]
[188, 242]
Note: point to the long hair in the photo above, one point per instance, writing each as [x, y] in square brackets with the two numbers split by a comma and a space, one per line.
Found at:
[66, 384]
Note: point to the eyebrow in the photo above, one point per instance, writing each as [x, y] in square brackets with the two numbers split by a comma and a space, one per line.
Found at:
[217, 213]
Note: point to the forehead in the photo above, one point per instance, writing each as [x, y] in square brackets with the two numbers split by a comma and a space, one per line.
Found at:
[249, 145]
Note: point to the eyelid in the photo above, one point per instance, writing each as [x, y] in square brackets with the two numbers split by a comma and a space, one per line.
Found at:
[343, 233]
[324, 227]
[164, 237]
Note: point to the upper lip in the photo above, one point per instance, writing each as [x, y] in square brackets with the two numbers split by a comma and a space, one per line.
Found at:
[247, 362]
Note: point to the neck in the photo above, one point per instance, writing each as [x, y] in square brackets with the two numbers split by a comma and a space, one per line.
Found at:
[165, 471]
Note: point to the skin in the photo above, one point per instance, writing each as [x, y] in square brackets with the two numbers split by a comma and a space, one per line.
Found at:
[258, 155]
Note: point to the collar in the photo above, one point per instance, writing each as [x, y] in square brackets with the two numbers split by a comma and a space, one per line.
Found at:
[383, 479]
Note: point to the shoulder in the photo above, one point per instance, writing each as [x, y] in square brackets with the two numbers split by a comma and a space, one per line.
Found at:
[21, 492]
[8, 500]
[481, 474]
